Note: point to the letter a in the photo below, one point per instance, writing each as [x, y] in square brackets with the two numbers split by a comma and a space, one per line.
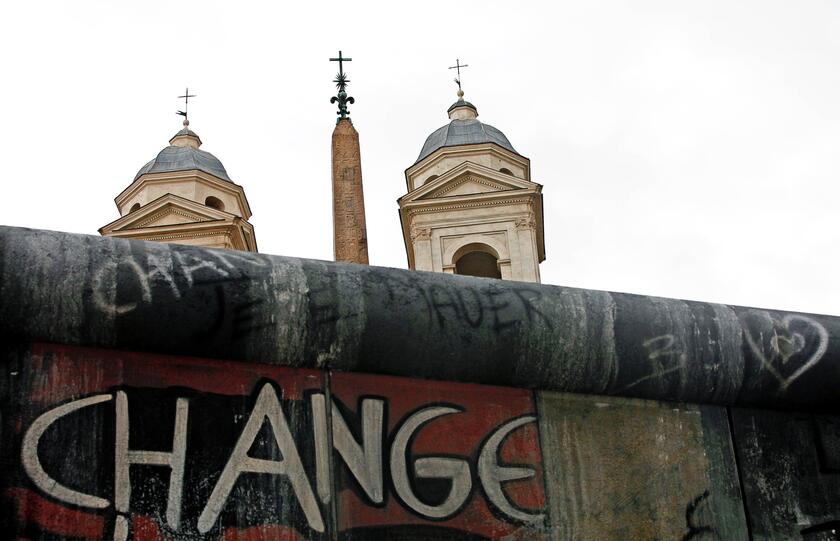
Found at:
[267, 407]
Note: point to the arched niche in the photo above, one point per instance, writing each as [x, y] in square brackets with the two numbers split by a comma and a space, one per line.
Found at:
[214, 202]
[477, 259]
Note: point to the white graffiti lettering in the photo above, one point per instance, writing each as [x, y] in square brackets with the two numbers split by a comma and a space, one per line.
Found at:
[32, 464]
[455, 469]
[361, 449]
[124, 457]
[492, 475]
[267, 408]
[363, 460]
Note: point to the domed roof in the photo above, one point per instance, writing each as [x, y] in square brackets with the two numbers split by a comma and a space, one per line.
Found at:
[183, 155]
[463, 129]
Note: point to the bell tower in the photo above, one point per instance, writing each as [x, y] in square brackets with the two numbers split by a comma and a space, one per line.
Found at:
[184, 196]
[471, 206]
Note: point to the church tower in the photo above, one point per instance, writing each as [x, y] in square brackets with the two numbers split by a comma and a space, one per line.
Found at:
[471, 207]
[184, 196]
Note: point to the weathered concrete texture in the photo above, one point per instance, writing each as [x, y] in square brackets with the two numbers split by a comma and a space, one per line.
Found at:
[790, 466]
[632, 469]
[349, 226]
[76, 289]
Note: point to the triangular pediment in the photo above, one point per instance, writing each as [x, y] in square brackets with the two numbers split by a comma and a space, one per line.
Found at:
[468, 178]
[168, 210]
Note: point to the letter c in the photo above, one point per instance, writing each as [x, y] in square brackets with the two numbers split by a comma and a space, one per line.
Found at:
[32, 464]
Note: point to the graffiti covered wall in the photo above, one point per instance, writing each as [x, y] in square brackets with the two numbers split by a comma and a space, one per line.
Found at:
[157, 392]
[116, 445]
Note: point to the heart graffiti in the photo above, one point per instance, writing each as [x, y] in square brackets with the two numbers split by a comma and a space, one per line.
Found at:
[785, 344]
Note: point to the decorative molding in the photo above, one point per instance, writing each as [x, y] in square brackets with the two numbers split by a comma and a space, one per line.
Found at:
[526, 223]
[468, 178]
[420, 233]
[439, 208]
[158, 238]
[466, 151]
[165, 212]
[180, 177]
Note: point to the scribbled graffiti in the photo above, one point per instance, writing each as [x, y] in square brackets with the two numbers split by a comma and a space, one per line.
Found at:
[177, 274]
[787, 346]
[664, 357]
[183, 447]
[696, 530]
[501, 309]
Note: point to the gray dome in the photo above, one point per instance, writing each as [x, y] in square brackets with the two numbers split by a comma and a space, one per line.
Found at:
[176, 158]
[464, 132]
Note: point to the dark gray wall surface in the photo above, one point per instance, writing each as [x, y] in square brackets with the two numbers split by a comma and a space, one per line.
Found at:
[77, 289]
[790, 470]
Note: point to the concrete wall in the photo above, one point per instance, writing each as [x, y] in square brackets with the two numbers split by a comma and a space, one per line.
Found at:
[155, 391]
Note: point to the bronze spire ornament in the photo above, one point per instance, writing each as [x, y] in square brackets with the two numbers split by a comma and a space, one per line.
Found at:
[341, 81]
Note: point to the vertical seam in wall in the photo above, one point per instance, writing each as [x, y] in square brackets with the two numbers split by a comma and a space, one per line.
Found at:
[730, 422]
[535, 398]
[331, 455]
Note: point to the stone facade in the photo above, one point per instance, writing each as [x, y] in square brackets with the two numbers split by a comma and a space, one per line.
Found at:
[473, 198]
[176, 202]
[349, 228]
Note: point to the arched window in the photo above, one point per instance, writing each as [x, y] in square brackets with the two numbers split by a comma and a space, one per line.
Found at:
[134, 207]
[214, 202]
[477, 260]
[431, 178]
[506, 171]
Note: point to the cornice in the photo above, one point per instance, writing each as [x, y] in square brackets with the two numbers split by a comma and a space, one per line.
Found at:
[185, 176]
[476, 148]
[193, 174]
[158, 238]
[470, 169]
[466, 198]
[466, 205]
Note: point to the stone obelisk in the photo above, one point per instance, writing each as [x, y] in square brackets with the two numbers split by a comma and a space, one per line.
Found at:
[349, 228]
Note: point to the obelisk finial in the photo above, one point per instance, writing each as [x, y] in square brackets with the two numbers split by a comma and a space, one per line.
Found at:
[341, 81]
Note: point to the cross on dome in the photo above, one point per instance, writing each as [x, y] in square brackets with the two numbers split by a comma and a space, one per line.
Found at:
[186, 97]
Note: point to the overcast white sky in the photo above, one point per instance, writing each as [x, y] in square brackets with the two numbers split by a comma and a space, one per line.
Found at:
[686, 149]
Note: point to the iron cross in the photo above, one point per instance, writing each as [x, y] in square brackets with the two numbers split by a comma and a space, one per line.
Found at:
[458, 67]
[186, 97]
[341, 81]
[341, 61]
